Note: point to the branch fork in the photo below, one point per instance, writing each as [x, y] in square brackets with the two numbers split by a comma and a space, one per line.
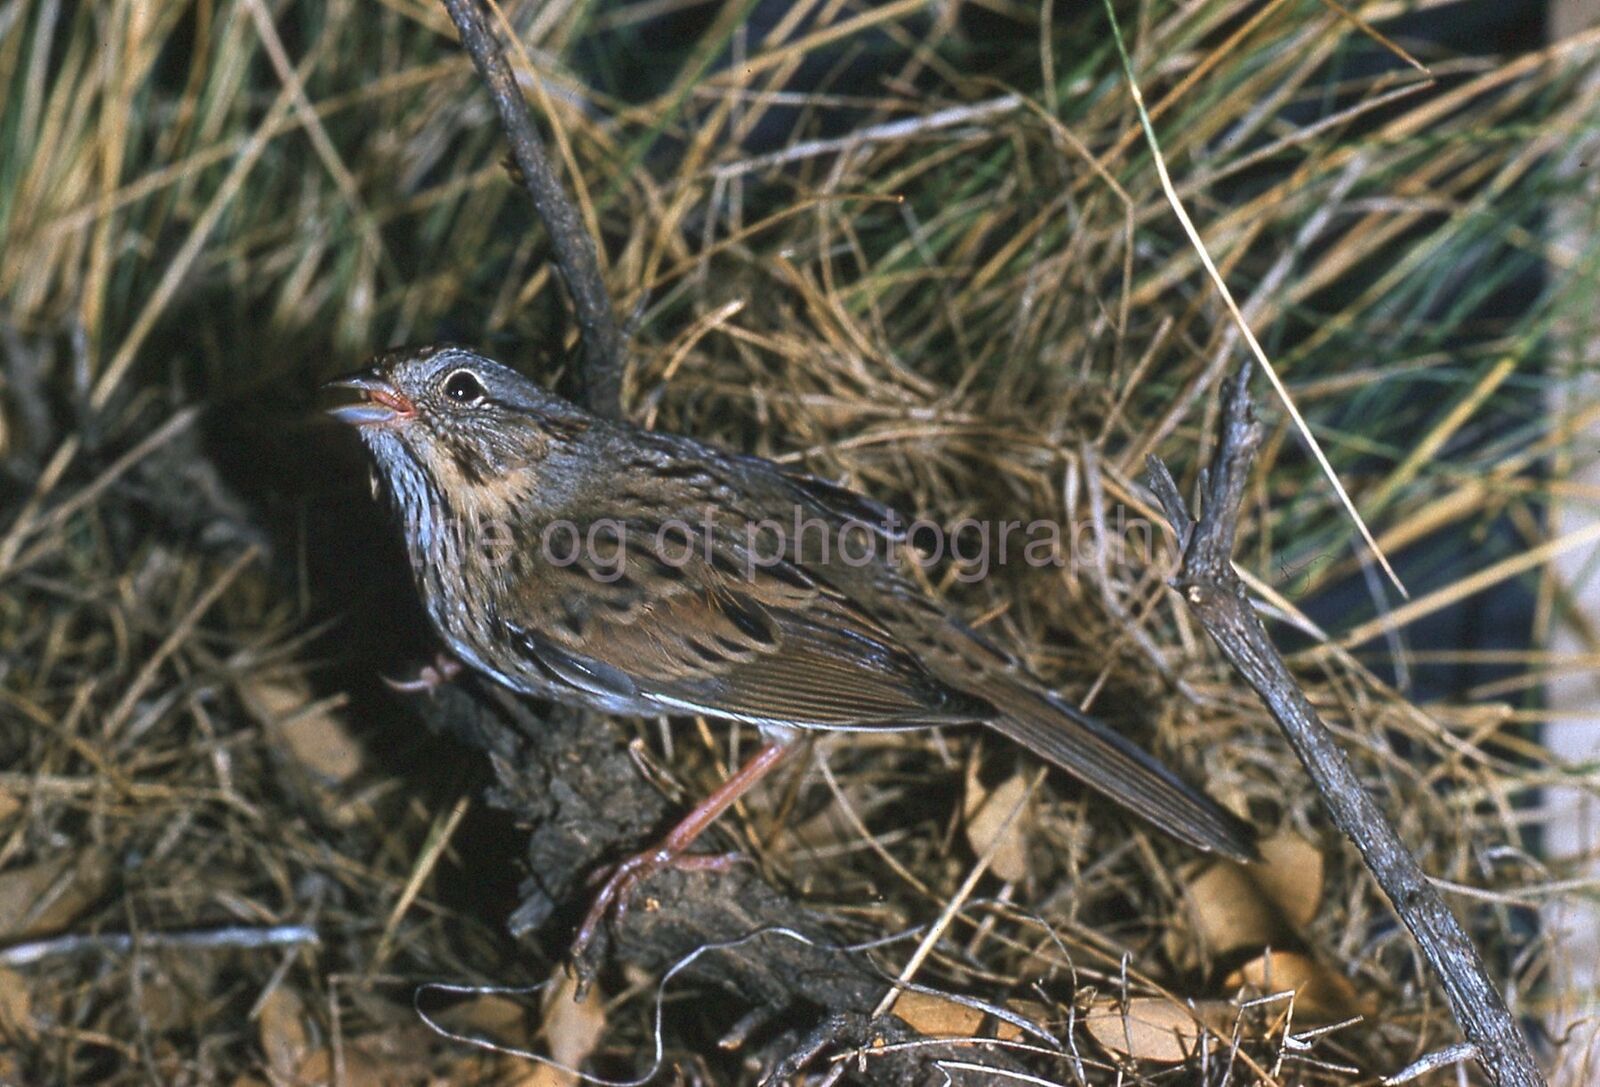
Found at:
[1218, 598]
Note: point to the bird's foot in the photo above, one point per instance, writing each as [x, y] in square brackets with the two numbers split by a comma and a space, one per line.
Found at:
[430, 678]
[670, 852]
[621, 881]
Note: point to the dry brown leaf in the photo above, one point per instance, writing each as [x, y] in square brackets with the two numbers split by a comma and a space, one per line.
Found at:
[1221, 1017]
[1290, 875]
[36, 899]
[404, 1047]
[1028, 1009]
[1228, 910]
[937, 1016]
[1321, 994]
[10, 803]
[314, 736]
[358, 1068]
[281, 1031]
[1147, 1028]
[491, 1016]
[986, 814]
[571, 1030]
[22, 887]
[1233, 906]
[16, 1007]
[166, 998]
[828, 829]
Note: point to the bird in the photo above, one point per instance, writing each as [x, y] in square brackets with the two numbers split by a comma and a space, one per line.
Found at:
[591, 562]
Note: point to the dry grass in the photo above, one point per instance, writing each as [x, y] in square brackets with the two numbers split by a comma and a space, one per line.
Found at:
[984, 308]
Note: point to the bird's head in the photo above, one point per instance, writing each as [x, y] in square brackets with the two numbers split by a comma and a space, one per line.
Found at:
[449, 427]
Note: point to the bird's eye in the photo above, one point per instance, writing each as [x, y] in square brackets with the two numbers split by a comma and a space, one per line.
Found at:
[464, 387]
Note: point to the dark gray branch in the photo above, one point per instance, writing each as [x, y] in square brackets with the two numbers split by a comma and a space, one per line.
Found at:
[603, 344]
[1209, 584]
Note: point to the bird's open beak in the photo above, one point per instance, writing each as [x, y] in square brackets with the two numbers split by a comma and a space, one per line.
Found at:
[380, 402]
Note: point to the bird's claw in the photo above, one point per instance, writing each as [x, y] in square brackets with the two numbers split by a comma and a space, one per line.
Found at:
[620, 882]
[429, 678]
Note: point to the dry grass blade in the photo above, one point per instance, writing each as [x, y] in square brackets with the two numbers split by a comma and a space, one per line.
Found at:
[1233, 308]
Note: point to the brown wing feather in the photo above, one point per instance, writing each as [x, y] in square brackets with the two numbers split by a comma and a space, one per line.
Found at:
[767, 644]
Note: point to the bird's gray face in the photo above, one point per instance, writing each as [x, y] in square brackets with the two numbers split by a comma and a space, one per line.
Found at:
[455, 435]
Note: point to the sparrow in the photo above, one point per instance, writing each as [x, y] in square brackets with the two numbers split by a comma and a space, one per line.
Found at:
[591, 562]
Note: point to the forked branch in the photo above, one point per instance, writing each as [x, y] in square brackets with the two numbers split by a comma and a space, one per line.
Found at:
[1207, 580]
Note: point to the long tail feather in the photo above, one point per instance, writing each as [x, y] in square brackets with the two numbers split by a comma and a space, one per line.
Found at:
[1103, 760]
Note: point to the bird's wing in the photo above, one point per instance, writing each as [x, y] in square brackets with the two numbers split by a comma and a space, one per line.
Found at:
[715, 633]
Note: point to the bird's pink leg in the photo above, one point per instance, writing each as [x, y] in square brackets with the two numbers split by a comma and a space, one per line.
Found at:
[432, 676]
[668, 853]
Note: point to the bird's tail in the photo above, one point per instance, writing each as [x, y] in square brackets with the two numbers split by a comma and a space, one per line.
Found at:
[1091, 752]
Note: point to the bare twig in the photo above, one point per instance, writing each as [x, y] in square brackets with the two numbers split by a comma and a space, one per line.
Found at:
[574, 249]
[1215, 593]
[233, 937]
[892, 130]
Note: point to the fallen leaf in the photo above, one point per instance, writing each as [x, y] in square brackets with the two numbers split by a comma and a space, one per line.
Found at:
[1031, 1010]
[1320, 994]
[282, 1033]
[937, 1016]
[490, 1016]
[165, 998]
[16, 1007]
[571, 1030]
[1290, 875]
[36, 899]
[986, 814]
[828, 829]
[313, 735]
[1147, 1028]
[1234, 906]
[358, 1068]
[1221, 1017]
[1228, 911]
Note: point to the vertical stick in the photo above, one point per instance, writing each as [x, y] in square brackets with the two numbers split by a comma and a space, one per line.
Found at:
[1209, 584]
[574, 250]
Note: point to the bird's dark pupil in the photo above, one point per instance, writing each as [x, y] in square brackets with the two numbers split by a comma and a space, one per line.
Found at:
[463, 388]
